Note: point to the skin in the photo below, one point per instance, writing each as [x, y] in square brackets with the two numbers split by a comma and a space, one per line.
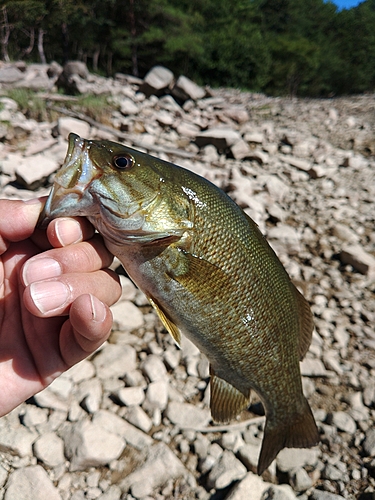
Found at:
[55, 293]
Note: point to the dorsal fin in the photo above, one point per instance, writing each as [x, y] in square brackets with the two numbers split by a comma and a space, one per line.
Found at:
[168, 323]
[226, 401]
[306, 323]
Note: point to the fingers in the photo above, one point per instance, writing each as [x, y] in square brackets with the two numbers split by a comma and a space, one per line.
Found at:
[68, 230]
[54, 297]
[18, 220]
[89, 325]
[83, 257]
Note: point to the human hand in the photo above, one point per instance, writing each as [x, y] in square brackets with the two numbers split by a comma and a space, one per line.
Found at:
[55, 290]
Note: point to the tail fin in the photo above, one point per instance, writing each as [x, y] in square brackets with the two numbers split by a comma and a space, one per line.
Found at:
[298, 432]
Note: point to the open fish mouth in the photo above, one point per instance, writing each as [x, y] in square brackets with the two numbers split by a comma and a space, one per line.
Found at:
[70, 195]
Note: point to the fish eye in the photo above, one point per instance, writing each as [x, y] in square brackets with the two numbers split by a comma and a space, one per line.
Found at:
[123, 162]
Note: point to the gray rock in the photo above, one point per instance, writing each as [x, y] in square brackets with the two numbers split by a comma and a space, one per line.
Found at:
[30, 483]
[89, 394]
[251, 487]
[226, 470]
[285, 238]
[131, 396]
[157, 80]
[49, 449]
[127, 316]
[344, 422]
[312, 367]
[113, 493]
[16, 439]
[83, 370]
[33, 171]
[3, 475]
[303, 165]
[325, 495]
[66, 125]
[10, 75]
[115, 361]
[279, 492]
[34, 416]
[154, 368]
[113, 423]
[241, 150]
[157, 395]
[344, 233]
[128, 107]
[161, 465]
[139, 418]
[301, 480]
[87, 444]
[369, 443]
[249, 455]
[361, 261]
[185, 88]
[187, 416]
[290, 459]
[221, 137]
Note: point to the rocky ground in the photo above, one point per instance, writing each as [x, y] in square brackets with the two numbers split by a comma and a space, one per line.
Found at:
[132, 421]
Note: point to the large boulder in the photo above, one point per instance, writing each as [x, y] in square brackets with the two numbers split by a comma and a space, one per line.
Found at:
[157, 81]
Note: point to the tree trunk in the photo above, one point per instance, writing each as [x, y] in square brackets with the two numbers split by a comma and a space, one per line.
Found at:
[5, 33]
[29, 49]
[65, 41]
[95, 59]
[42, 56]
[133, 33]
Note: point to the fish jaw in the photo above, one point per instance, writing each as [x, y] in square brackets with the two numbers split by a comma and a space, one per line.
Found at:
[69, 195]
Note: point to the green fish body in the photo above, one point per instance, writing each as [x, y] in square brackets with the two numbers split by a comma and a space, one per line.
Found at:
[208, 272]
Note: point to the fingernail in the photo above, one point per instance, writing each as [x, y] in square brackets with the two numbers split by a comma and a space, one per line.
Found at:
[40, 269]
[49, 295]
[34, 201]
[98, 309]
[68, 231]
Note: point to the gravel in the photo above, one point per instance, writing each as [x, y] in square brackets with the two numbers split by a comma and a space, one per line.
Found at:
[132, 421]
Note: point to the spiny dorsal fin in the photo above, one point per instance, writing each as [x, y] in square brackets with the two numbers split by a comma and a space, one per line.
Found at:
[226, 401]
[306, 324]
[168, 324]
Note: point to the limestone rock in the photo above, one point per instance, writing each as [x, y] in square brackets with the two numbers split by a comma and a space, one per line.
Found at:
[66, 125]
[221, 137]
[30, 483]
[187, 416]
[185, 88]
[87, 444]
[362, 261]
[49, 449]
[114, 361]
[161, 465]
[127, 316]
[227, 470]
[157, 80]
[251, 487]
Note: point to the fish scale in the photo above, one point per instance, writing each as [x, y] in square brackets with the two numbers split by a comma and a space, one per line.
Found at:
[208, 272]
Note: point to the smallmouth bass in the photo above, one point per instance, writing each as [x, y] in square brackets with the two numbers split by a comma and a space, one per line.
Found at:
[208, 272]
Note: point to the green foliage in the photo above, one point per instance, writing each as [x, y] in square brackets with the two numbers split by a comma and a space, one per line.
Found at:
[278, 46]
[29, 103]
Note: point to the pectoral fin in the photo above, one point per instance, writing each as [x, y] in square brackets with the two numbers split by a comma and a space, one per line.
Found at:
[226, 401]
[168, 324]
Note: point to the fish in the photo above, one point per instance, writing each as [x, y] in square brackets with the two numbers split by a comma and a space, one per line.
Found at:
[208, 272]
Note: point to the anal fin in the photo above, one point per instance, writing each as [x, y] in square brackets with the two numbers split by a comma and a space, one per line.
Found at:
[168, 324]
[226, 401]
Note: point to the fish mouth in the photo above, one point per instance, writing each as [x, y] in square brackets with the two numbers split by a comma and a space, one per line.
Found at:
[69, 195]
